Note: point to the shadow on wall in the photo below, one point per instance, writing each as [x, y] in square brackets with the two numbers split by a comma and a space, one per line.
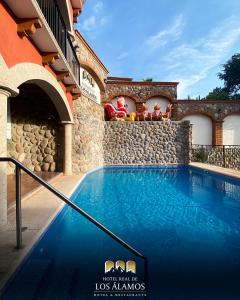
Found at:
[34, 131]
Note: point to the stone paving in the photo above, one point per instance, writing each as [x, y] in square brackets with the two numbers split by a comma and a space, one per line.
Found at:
[37, 211]
[216, 169]
[28, 185]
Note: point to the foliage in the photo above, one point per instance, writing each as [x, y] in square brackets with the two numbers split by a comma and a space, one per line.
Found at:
[201, 155]
[231, 74]
[218, 94]
[148, 80]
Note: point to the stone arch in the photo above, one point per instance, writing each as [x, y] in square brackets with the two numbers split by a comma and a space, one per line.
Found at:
[162, 101]
[232, 113]
[111, 97]
[160, 95]
[99, 82]
[191, 113]
[130, 101]
[36, 74]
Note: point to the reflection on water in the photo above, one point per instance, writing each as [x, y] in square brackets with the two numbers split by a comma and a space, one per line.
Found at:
[185, 221]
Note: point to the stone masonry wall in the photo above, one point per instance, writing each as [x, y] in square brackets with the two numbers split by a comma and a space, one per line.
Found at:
[146, 142]
[36, 135]
[141, 92]
[222, 156]
[34, 144]
[88, 132]
[217, 110]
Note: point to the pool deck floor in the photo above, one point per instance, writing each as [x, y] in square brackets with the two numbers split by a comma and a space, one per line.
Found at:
[38, 210]
[28, 184]
[216, 169]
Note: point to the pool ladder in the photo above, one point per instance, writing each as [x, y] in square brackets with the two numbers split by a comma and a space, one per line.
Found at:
[19, 166]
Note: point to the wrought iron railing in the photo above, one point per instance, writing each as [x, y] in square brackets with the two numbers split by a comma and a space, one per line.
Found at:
[220, 155]
[55, 21]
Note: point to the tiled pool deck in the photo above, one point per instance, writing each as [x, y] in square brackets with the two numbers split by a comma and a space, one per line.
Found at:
[38, 211]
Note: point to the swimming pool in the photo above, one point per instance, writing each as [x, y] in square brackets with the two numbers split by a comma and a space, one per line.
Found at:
[186, 221]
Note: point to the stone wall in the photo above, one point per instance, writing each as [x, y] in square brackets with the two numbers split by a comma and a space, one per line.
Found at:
[217, 110]
[140, 91]
[222, 156]
[36, 135]
[146, 142]
[88, 132]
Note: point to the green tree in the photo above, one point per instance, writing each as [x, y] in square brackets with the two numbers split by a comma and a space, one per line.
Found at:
[218, 94]
[148, 80]
[231, 74]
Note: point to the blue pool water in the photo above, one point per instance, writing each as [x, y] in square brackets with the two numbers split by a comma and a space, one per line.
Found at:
[186, 221]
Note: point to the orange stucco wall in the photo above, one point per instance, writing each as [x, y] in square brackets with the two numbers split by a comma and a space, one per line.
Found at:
[18, 50]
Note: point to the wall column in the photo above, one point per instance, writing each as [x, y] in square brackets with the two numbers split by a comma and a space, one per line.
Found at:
[4, 94]
[67, 164]
[217, 131]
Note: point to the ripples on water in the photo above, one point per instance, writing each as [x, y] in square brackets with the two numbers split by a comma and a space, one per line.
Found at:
[187, 222]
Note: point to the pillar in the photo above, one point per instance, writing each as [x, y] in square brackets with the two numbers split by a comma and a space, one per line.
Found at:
[217, 131]
[67, 164]
[4, 94]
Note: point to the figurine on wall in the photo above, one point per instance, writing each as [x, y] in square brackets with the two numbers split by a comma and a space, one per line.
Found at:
[116, 113]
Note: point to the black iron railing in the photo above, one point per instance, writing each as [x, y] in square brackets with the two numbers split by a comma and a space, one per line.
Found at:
[19, 166]
[220, 155]
[55, 21]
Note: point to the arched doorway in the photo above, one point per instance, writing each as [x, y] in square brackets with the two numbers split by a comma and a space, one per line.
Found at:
[157, 100]
[201, 129]
[231, 132]
[35, 134]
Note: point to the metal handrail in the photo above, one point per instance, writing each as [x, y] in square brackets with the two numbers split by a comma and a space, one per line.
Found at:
[20, 166]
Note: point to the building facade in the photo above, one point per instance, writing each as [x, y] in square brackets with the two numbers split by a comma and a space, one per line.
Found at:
[39, 80]
[213, 122]
[53, 88]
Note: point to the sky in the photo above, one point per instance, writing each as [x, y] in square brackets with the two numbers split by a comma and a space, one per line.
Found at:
[186, 41]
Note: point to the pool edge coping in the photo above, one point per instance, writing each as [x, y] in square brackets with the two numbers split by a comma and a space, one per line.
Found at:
[26, 252]
[29, 248]
[227, 172]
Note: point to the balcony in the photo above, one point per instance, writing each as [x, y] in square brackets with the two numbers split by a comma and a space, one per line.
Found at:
[55, 21]
[51, 38]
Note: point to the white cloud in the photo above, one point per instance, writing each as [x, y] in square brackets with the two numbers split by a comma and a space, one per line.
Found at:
[97, 20]
[123, 55]
[89, 24]
[163, 37]
[98, 7]
[191, 63]
[103, 21]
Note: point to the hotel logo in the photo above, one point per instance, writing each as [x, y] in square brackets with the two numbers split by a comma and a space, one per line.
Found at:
[120, 267]
[120, 280]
